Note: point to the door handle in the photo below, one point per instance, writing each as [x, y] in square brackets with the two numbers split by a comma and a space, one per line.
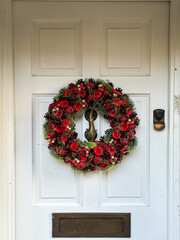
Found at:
[158, 119]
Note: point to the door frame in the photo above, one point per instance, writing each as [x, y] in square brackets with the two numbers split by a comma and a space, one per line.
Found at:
[7, 120]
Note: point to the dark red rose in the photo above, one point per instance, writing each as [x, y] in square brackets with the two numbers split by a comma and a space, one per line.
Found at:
[117, 127]
[69, 109]
[81, 165]
[132, 126]
[103, 165]
[96, 160]
[50, 134]
[97, 94]
[124, 141]
[112, 124]
[73, 87]
[51, 125]
[64, 138]
[51, 105]
[83, 158]
[128, 111]
[108, 106]
[63, 152]
[59, 128]
[81, 151]
[112, 151]
[116, 134]
[98, 150]
[115, 91]
[125, 127]
[117, 102]
[59, 113]
[82, 93]
[77, 106]
[64, 104]
[105, 147]
[125, 102]
[67, 92]
[90, 85]
[123, 118]
[130, 137]
[90, 98]
[124, 150]
[55, 149]
[105, 91]
[74, 146]
[92, 168]
[112, 113]
[65, 122]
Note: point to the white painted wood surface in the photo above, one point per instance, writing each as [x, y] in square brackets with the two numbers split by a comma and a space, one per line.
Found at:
[144, 194]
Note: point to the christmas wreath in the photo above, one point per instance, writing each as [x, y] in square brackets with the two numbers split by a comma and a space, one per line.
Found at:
[88, 96]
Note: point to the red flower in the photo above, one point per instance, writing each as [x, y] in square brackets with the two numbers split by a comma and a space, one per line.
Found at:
[59, 128]
[128, 111]
[69, 109]
[81, 151]
[108, 106]
[115, 91]
[112, 151]
[125, 102]
[91, 168]
[51, 125]
[116, 134]
[124, 141]
[64, 138]
[59, 113]
[96, 160]
[77, 106]
[51, 105]
[82, 93]
[55, 149]
[123, 118]
[112, 113]
[117, 102]
[103, 165]
[73, 87]
[98, 150]
[124, 150]
[105, 91]
[50, 134]
[105, 147]
[81, 165]
[90, 85]
[90, 98]
[130, 137]
[125, 127]
[63, 152]
[67, 92]
[64, 104]
[132, 126]
[74, 146]
[97, 94]
[83, 158]
[65, 122]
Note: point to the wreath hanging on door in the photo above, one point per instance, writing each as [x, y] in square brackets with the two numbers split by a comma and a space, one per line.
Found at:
[90, 96]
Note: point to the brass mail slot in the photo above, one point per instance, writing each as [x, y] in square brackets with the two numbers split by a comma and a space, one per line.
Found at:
[91, 225]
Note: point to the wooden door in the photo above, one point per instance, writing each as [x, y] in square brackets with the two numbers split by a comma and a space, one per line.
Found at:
[57, 43]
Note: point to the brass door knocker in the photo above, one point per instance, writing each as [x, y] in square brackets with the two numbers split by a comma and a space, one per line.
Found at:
[91, 133]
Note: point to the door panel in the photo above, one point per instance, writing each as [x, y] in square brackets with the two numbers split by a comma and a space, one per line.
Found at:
[57, 43]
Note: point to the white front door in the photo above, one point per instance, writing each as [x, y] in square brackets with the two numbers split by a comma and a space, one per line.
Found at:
[57, 43]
